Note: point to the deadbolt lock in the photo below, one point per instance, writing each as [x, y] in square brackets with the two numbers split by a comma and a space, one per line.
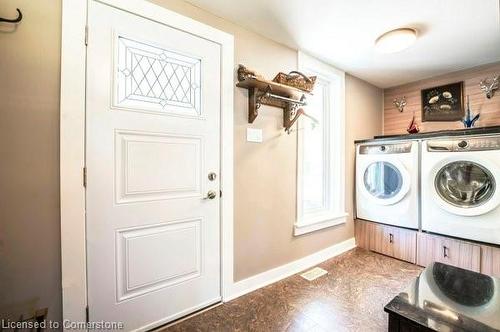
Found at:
[212, 176]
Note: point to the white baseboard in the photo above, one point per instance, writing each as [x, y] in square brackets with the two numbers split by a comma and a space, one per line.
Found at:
[265, 278]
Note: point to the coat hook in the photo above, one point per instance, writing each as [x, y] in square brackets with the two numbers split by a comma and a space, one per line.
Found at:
[16, 20]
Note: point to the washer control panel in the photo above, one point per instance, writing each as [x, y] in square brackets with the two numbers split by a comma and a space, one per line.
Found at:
[385, 148]
[462, 144]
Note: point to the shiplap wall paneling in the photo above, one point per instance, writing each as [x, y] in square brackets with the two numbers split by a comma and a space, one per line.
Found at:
[396, 122]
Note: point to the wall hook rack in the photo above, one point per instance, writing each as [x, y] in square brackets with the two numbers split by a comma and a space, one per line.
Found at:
[15, 20]
[263, 92]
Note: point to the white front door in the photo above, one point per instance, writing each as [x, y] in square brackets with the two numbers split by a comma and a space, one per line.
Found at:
[152, 139]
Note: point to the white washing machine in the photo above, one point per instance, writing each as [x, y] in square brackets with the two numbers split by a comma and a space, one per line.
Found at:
[387, 183]
[461, 187]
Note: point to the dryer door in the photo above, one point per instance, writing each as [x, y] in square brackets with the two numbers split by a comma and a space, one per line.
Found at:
[385, 182]
[465, 186]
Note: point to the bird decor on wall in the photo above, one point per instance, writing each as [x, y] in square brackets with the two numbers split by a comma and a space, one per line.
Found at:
[489, 86]
[469, 120]
[400, 103]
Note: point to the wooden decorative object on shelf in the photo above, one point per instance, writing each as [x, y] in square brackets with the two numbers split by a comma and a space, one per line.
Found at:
[264, 92]
[297, 80]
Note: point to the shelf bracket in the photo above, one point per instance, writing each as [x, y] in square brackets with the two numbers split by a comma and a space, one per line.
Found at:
[291, 114]
[253, 105]
[261, 92]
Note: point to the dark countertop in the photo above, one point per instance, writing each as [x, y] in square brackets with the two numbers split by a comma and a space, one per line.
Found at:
[447, 298]
[440, 133]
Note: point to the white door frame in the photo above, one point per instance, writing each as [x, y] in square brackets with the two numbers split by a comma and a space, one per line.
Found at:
[72, 142]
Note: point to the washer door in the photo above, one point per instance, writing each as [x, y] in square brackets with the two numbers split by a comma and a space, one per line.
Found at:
[385, 182]
[466, 187]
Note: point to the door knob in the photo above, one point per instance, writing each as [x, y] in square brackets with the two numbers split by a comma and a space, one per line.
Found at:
[211, 195]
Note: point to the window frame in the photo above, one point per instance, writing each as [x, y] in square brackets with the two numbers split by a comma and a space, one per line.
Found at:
[334, 150]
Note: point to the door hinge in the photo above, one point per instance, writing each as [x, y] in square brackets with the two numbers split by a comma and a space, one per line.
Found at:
[86, 35]
[87, 314]
[220, 193]
[85, 176]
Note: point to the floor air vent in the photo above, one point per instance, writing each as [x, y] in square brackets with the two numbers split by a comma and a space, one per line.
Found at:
[314, 273]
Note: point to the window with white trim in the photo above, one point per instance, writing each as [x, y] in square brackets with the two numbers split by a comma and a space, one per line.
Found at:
[321, 151]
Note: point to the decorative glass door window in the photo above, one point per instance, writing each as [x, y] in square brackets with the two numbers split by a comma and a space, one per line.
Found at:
[156, 79]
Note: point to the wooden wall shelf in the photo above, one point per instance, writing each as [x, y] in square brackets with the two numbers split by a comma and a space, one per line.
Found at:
[264, 92]
[276, 88]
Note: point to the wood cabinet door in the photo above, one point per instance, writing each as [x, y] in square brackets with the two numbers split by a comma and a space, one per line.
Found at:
[363, 233]
[394, 241]
[490, 261]
[379, 239]
[404, 244]
[433, 248]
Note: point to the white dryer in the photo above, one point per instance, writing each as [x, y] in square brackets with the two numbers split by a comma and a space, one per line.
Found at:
[461, 187]
[387, 183]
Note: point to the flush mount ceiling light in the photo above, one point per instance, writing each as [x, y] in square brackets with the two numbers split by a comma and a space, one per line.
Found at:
[396, 40]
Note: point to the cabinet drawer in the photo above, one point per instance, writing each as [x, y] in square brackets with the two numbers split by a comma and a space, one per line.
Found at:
[434, 248]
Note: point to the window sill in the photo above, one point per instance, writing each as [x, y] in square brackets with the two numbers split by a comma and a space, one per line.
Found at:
[319, 223]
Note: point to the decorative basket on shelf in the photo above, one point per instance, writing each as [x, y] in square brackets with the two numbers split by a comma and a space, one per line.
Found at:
[297, 80]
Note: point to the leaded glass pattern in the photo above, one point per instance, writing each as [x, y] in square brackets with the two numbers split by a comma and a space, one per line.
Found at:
[153, 78]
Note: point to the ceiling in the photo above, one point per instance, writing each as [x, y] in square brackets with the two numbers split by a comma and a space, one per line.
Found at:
[453, 34]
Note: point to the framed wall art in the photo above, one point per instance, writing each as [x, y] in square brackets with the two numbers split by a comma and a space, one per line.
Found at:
[443, 103]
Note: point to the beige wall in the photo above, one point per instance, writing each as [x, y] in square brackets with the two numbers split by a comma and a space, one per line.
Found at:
[29, 167]
[265, 174]
[364, 110]
[396, 122]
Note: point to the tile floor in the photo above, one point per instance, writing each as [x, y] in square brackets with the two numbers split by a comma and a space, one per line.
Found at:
[351, 297]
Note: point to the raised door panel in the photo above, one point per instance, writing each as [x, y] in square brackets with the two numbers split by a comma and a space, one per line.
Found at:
[179, 245]
[145, 171]
[490, 261]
